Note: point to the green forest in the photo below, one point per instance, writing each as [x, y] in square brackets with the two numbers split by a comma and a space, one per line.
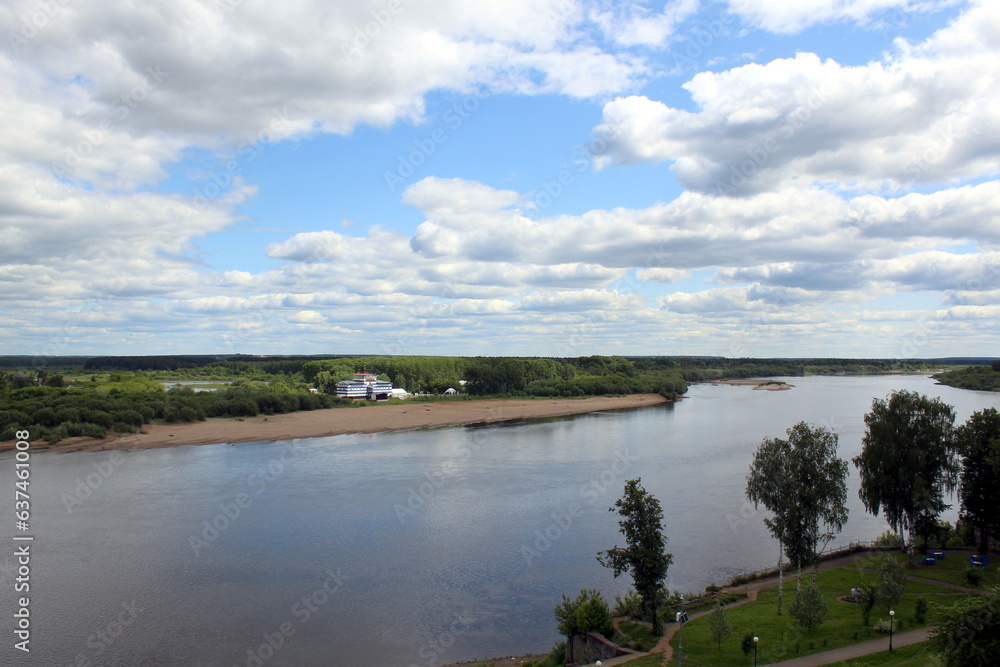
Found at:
[982, 378]
[61, 397]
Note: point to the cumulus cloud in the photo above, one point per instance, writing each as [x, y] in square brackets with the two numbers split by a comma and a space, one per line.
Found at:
[924, 115]
[633, 24]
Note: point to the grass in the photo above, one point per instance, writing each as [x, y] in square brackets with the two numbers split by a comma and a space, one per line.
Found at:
[950, 570]
[915, 655]
[641, 636]
[781, 638]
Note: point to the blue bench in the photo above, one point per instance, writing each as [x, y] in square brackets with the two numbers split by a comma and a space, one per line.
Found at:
[928, 560]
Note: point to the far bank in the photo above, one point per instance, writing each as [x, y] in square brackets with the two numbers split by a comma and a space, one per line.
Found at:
[341, 421]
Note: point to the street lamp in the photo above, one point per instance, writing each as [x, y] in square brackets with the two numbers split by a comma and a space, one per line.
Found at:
[682, 618]
[755, 640]
[891, 614]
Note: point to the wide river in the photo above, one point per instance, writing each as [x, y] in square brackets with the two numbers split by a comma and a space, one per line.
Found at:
[414, 548]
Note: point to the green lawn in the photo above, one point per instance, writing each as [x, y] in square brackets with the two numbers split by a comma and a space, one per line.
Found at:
[951, 569]
[915, 655]
[780, 637]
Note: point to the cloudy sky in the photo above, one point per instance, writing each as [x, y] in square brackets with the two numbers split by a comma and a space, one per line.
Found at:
[543, 177]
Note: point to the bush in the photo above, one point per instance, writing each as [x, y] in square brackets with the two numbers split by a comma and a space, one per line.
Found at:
[888, 539]
[130, 417]
[809, 608]
[15, 418]
[630, 605]
[883, 626]
[920, 612]
[973, 576]
[45, 417]
[241, 407]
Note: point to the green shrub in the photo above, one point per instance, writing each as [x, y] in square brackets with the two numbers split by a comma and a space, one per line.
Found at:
[888, 539]
[45, 417]
[920, 611]
[973, 576]
[15, 418]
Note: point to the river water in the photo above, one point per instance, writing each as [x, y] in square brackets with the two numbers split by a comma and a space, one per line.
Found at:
[415, 548]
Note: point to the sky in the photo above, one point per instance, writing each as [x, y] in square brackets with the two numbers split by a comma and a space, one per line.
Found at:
[475, 177]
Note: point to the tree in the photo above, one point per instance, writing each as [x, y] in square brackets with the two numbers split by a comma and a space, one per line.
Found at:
[718, 625]
[809, 608]
[968, 633]
[890, 582]
[644, 557]
[869, 596]
[588, 613]
[802, 481]
[979, 485]
[908, 460]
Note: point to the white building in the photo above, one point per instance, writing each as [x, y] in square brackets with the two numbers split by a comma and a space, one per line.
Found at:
[365, 386]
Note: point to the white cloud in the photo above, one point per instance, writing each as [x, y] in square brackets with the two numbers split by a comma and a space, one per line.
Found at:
[925, 115]
[635, 25]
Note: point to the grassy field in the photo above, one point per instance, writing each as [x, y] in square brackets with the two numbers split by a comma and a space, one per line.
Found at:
[951, 569]
[916, 655]
[782, 639]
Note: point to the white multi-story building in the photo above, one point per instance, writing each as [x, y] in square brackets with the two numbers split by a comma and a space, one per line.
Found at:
[365, 386]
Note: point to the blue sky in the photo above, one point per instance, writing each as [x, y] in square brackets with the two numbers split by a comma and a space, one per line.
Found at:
[559, 177]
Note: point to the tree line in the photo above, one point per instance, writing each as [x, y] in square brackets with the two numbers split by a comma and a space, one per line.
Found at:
[125, 403]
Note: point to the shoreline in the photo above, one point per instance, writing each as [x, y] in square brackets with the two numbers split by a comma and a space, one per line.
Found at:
[347, 420]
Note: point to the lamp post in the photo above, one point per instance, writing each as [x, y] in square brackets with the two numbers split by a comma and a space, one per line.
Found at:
[682, 618]
[755, 640]
[891, 614]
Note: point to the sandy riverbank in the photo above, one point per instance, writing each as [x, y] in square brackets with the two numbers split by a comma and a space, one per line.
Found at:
[339, 421]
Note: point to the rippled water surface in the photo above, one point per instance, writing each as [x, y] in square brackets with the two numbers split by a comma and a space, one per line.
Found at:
[416, 548]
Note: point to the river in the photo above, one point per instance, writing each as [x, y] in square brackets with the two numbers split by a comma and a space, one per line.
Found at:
[413, 548]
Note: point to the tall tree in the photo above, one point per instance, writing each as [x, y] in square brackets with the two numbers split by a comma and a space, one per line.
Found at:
[979, 486]
[770, 486]
[890, 581]
[802, 481]
[908, 460]
[644, 557]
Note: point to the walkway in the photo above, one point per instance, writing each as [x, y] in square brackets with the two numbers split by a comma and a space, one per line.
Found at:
[857, 650]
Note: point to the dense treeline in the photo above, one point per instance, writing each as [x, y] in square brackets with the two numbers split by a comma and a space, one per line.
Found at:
[982, 378]
[415, 374]
[126, 403]
[508, 376]
[202, 365]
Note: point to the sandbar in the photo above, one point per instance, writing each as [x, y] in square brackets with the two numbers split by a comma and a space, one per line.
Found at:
[765, 385]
